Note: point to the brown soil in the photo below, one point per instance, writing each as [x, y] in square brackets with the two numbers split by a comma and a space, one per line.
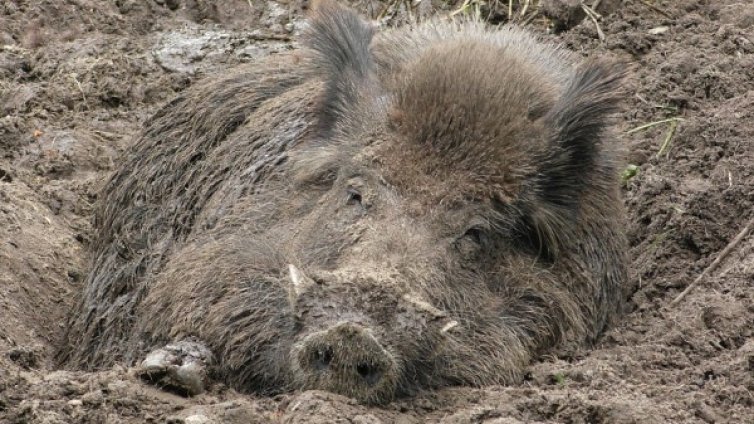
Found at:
[78, 76]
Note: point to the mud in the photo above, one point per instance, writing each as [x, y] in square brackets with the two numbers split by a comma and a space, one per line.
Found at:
[78, 77]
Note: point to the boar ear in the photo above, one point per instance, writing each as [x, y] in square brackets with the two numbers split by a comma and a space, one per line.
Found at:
[577, 122]
[575, 158]
[340, 40]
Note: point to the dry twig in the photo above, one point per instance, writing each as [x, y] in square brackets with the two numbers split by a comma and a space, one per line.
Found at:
[461, 9]
[668, 137]
[657, 9]
[714, 263]
[531, 17]
[652, 124]
[523, 9]
[594, 16]
[385, 9]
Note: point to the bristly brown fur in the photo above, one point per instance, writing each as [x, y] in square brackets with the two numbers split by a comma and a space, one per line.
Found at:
[473, 128]
[447, 196]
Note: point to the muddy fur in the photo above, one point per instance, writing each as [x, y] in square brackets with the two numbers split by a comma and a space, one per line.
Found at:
[448, 194]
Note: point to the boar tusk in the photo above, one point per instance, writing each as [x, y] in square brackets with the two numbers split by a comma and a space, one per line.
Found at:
[449, 326]
[299, 280]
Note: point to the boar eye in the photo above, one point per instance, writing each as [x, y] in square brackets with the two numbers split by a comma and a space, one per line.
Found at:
[354, 197]
[474, 234]
[472, 241]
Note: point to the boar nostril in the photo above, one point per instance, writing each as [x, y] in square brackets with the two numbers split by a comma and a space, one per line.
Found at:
[322, 358]
[370, 373]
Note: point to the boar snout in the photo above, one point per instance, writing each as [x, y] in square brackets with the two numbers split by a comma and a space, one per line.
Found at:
[346, 352]
[346, 359]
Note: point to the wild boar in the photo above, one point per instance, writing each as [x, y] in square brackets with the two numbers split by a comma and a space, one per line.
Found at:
[371, 215]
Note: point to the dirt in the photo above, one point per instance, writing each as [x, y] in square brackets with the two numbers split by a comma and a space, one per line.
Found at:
[78, 76]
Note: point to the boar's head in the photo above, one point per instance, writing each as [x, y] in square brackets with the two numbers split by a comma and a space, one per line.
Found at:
[468, 178]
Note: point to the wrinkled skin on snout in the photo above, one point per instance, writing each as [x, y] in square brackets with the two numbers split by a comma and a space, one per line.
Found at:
[374, 215]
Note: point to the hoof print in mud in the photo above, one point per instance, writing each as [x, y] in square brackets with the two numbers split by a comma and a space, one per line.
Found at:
[179, 368]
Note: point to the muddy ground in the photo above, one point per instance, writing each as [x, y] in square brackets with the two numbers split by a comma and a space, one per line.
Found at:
[78, 76]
